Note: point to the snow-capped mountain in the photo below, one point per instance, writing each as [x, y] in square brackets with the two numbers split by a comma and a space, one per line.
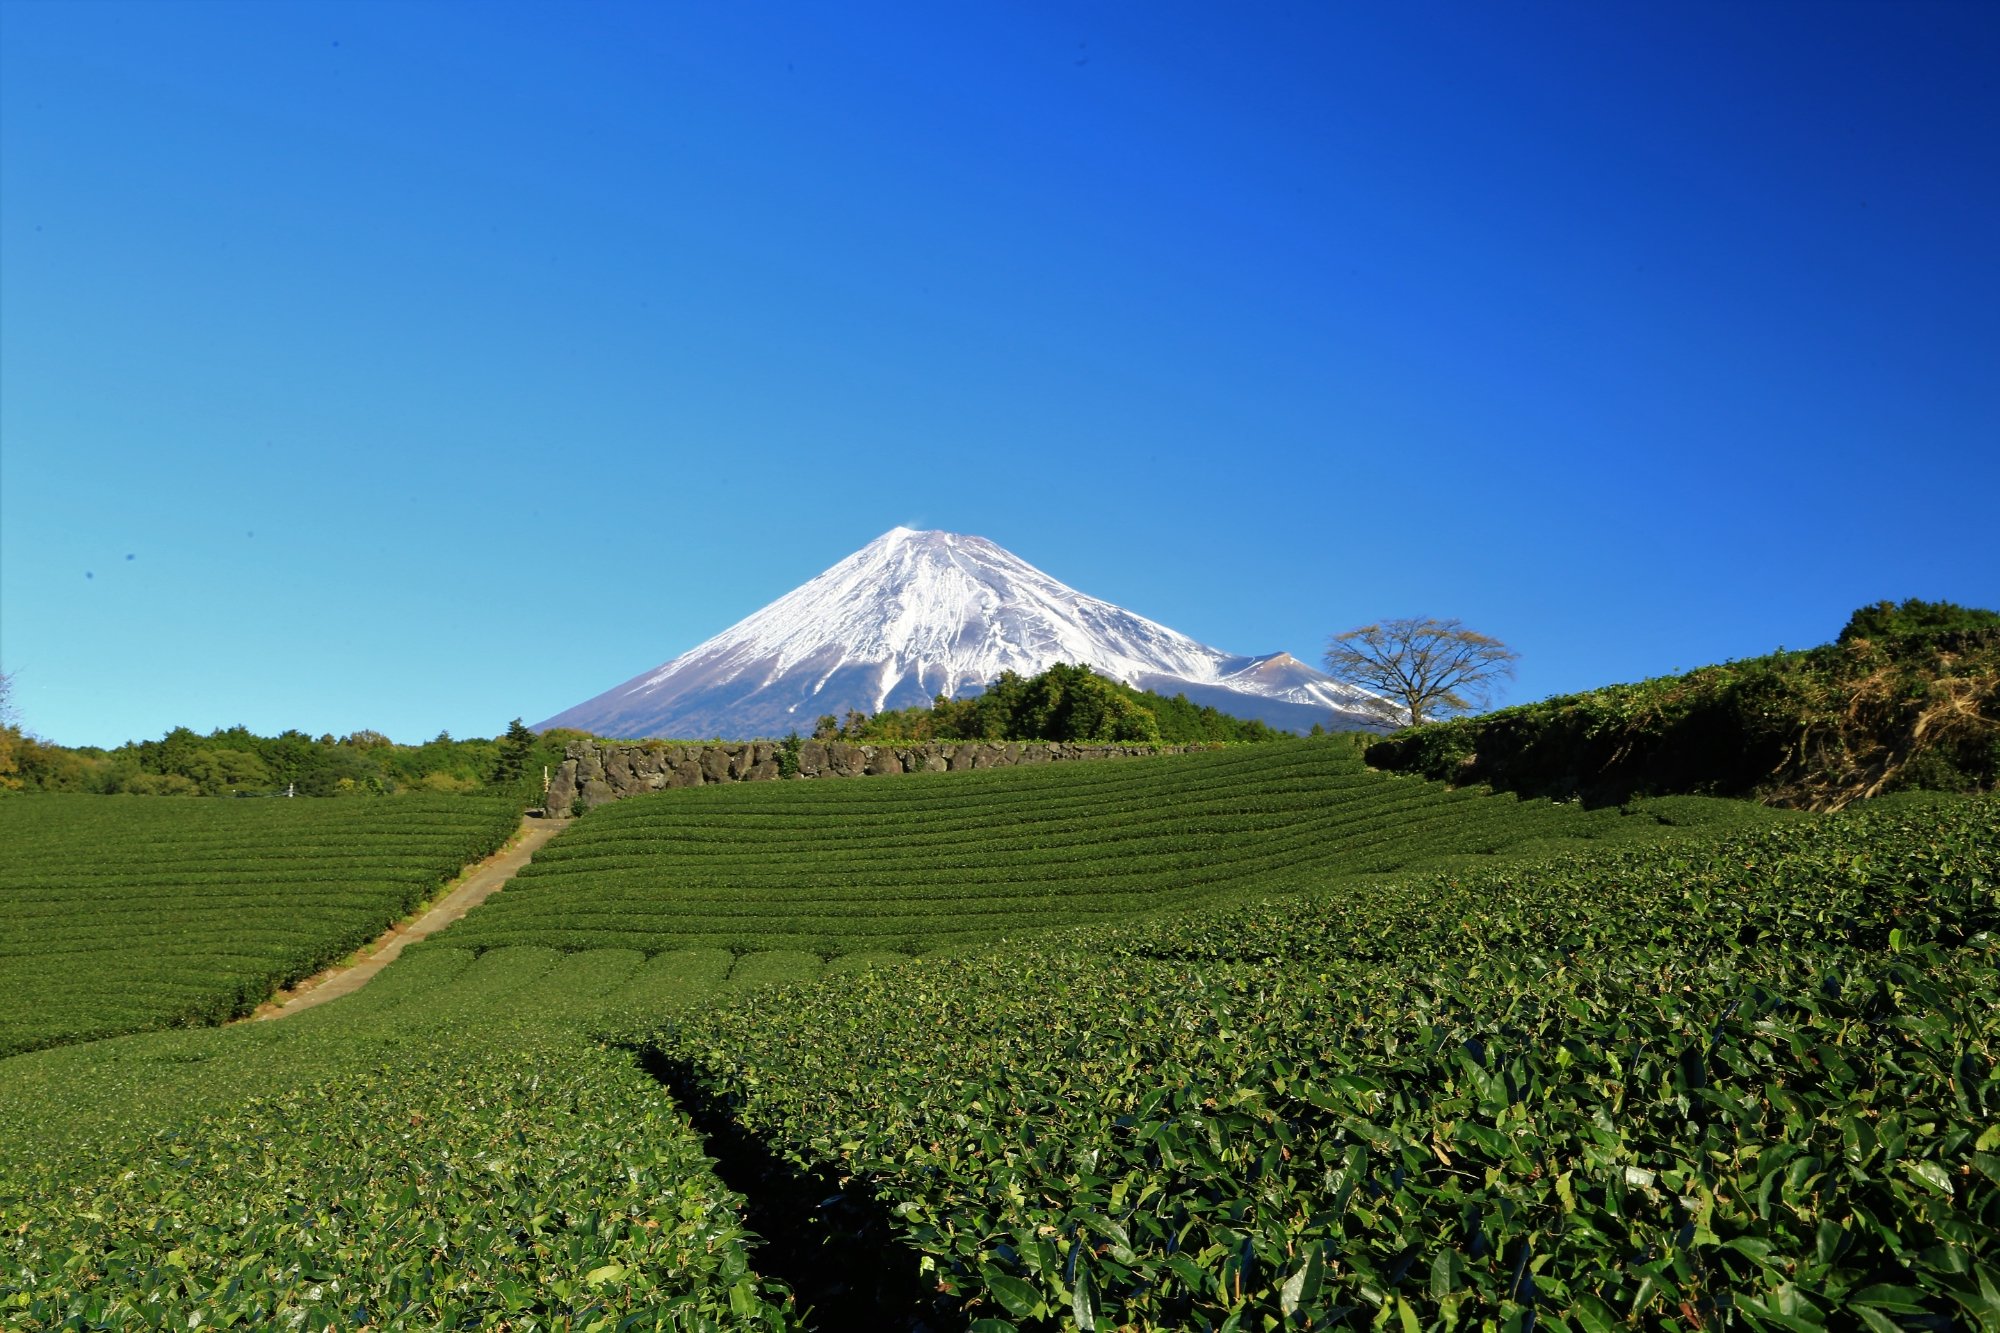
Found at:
[913, 615]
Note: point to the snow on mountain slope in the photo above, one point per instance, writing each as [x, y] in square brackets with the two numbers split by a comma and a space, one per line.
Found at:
[913, 615]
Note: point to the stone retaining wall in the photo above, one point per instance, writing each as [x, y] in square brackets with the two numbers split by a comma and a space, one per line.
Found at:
[605, 771]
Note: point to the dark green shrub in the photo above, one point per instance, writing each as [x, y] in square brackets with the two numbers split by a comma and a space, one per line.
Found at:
[1920, 621]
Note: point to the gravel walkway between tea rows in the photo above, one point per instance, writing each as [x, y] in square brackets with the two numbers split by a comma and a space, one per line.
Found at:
[478, 885]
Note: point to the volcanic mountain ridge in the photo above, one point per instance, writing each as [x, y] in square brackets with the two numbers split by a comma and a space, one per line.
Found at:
[913, 615]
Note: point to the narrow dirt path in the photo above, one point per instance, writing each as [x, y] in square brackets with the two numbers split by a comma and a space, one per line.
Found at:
[475, 888]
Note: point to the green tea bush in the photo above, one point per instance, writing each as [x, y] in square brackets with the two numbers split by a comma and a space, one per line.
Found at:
[776, 965]
[943, 861]
[444, 1150]
[119, 915]
[1747, 1084]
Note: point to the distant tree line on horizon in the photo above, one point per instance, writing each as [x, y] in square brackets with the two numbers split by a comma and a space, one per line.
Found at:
[235, 761]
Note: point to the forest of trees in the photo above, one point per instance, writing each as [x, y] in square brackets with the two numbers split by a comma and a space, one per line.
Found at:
[234, 761]
[1064, 703]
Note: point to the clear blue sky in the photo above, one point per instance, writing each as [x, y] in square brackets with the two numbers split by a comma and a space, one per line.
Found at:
[417, 366]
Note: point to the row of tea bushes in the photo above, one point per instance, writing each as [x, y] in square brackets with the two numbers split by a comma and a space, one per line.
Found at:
[1903, 867]
[1751, 1086]
[121, 915]
[927, 862]
[443, 1150]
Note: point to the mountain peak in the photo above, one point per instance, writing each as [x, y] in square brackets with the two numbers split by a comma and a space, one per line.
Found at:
[898, 536]
[915, 614]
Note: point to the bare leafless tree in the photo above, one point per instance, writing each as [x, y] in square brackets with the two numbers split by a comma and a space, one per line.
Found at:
[1423, 669]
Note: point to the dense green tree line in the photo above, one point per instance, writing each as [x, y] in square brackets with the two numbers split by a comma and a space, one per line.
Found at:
[235, 761]
[1064, 703]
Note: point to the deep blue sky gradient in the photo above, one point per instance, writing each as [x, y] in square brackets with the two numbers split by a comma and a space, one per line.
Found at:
[417, 366]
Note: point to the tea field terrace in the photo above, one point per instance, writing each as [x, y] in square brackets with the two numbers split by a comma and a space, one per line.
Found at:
[927, 862]
[120, 913]
[1749, 1083]
[446, 1148]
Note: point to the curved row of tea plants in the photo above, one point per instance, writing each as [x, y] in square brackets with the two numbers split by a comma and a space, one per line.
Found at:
[443, 1150]
[925, 862]
[118, 915]
[1749, 1084]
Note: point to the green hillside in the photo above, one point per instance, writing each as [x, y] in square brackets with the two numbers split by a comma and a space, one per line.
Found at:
[1907, 698]
[118, 914]
[926, 862]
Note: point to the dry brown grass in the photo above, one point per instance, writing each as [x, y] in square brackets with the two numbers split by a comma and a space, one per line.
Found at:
[1881, 726]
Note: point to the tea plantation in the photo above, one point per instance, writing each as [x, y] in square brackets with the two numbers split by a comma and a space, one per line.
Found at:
[921, 863]
[444, 1149]
[1749, 1084]
[119, 914]
[1253, 1039]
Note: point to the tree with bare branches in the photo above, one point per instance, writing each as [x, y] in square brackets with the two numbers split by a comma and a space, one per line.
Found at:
[1421, 669]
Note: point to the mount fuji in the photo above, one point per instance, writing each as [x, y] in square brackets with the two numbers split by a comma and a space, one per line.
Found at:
[913, 615]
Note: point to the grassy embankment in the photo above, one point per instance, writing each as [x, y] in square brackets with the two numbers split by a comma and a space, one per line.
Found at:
[1907, 698]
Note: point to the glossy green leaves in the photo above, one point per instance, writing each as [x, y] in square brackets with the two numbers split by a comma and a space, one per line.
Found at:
[1691, 1087]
